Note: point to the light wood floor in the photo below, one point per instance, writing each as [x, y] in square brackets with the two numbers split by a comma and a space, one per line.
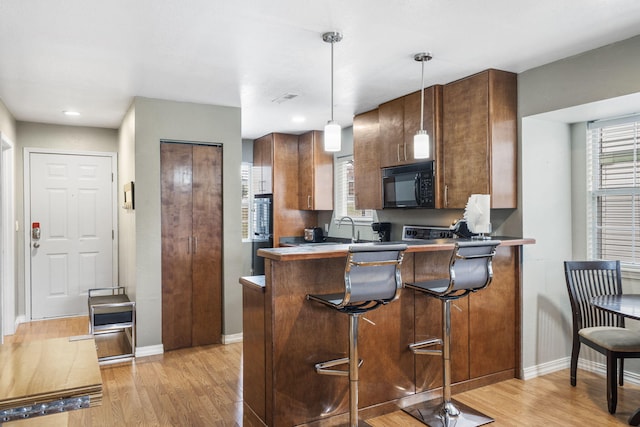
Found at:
[203, 387]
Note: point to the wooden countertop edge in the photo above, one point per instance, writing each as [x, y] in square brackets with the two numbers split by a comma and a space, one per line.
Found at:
[310, 251]
[253, 282]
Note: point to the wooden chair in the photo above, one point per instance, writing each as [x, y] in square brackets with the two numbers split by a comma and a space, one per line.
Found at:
[600, 330]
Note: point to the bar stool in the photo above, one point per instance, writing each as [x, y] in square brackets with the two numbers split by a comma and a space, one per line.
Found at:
[371, 279]
[469, 271]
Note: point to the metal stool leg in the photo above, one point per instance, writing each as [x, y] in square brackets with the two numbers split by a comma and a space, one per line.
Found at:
[446, 413]
[353, 370]
[448, 410]
[353, 362]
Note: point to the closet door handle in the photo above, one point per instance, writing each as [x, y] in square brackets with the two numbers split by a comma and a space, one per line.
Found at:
[446, 196]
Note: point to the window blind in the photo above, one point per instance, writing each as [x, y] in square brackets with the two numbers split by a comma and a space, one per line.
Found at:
[245, 170]
[345, 192]
[615, 189]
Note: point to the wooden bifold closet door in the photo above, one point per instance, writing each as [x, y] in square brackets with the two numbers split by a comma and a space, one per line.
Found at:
[191, 186]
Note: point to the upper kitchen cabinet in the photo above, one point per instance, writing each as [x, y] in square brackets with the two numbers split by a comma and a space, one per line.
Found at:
[280, 172]
[400, 120]
[315, 173]
[262, 165]
[366, 161]
[479, 146]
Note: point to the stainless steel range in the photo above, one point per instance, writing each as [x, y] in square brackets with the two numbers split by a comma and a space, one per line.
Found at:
[426, 232]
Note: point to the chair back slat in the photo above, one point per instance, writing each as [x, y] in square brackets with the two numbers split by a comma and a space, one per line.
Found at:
[588, 279]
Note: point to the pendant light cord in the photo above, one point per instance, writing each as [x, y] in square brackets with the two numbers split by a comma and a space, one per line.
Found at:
[332, 43]
[422, 99]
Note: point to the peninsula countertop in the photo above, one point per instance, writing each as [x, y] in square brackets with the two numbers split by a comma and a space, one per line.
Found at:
[336, 250]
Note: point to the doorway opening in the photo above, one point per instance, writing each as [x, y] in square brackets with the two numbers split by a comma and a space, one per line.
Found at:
[7, 240]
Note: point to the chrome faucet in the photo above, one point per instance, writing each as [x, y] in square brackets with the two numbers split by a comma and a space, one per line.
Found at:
[353, 228]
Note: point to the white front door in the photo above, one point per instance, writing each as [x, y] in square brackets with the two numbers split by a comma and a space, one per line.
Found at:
[71, 199]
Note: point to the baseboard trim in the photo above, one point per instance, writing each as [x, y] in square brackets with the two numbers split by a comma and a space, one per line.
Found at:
[20, 319]
[584, 364]
[546, 368]
[231, 339]
[150, 350]
[153, 350]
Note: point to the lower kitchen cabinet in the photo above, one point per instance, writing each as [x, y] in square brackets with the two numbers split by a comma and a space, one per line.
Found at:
[483, 325]
[286, 335]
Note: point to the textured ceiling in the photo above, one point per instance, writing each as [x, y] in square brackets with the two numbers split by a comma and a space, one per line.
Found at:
[95, 56]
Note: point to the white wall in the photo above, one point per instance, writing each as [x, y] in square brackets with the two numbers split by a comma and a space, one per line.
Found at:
[126, 217]
[7, 123]
[8, 266]
[546, 215]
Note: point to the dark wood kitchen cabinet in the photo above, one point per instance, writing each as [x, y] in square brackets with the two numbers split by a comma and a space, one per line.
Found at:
[282, 174]
[262, 165]
[484, 332]
[366, 161]
[479, 146]
[191, 211]
[315, 173]
[399, 121]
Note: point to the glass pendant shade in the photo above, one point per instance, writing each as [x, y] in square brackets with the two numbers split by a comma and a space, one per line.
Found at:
[332, 136]
[421, 146]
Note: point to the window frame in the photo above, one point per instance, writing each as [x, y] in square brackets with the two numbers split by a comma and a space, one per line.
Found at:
[341, 206]
[613, 171]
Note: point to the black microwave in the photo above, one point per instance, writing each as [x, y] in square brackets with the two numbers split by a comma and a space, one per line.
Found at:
[410, 186]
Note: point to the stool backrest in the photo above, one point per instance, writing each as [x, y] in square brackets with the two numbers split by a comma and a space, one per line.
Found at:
[372, 273]
[470, 266]
[588, 279]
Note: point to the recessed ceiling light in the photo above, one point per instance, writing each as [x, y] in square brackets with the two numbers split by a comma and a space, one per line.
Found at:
[70, 113]
[298, 119]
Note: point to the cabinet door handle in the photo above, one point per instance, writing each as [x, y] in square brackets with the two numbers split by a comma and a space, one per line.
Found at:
[195, 244]
[398, 151]
[405, 150]
[189, 243]
[309, 201]
[446, 196]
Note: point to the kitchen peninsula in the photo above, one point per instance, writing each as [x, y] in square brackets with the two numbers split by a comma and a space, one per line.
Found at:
[285, 335]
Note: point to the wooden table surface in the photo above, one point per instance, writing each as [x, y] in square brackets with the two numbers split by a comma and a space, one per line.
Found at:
[627, 305]
[48, 370]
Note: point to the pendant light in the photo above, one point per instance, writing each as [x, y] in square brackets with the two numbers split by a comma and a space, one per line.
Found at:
[332, 130]
[421, 146]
